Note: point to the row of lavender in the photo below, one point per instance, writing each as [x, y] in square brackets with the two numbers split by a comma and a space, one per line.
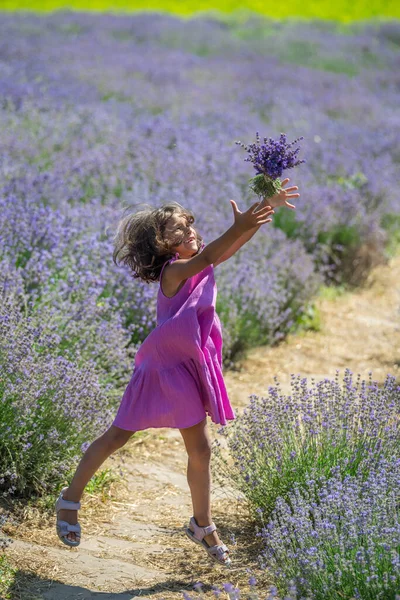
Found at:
[100, 111]
[320, 469]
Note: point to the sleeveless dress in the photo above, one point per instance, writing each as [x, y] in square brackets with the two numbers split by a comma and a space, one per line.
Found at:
[177, 379]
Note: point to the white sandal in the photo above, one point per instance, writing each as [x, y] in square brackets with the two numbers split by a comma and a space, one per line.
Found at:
[216, 552]
[64, 528]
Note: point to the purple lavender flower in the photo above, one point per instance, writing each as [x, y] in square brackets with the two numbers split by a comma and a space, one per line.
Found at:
[4, 541]
[269, 160]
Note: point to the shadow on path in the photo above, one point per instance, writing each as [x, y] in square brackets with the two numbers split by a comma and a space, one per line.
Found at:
[28, 586]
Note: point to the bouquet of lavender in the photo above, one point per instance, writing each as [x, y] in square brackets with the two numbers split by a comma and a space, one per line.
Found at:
[269, 160]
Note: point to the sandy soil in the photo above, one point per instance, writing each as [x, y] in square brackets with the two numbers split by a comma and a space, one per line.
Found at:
[133, 542]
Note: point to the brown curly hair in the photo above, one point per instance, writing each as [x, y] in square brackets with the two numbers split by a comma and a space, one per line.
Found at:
[139, 240]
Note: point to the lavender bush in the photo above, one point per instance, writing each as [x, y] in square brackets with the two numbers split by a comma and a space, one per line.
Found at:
[49, 407]
[234, 593]
[320, 469]
[339, 536]
[261, 300]
[58, 258]
[320, 426]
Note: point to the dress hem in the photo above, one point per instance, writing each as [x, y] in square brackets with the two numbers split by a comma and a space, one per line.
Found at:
[172, 426]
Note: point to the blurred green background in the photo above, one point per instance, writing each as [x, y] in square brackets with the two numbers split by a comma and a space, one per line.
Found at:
[342, 10]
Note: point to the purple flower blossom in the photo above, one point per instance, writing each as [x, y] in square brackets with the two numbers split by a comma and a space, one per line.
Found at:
[269, 160]
[272, 157]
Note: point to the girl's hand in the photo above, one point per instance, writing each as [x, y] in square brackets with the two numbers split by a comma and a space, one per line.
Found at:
[281, 198]
[250, 219]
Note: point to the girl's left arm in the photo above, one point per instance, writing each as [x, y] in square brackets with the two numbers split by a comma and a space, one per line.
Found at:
[280, 199]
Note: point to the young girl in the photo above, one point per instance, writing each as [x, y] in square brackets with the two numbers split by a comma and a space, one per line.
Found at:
[177, 380]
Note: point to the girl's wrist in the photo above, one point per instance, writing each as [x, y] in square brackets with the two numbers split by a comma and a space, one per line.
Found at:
[267, 202]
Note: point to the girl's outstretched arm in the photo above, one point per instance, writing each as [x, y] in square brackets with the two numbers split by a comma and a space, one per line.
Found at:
[280, 199]
[187, 267]
[243, 239]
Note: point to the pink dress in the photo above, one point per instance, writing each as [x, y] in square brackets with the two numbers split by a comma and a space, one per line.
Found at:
[177, 378]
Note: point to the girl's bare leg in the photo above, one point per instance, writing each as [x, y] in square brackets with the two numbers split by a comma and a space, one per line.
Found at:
[95, 455]
[198, 447]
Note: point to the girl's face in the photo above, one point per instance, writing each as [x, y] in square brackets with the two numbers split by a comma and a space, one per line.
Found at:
[182, 235]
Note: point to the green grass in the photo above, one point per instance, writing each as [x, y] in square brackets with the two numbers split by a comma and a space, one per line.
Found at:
[341, 10]
[332, 292]
[7, 575]
[101, 481]
[391, 222]
[309, 320]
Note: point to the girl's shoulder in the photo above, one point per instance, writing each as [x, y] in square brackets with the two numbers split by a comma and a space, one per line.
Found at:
[173, 292]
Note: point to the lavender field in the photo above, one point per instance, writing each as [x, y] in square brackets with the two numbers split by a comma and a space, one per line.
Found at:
[101, 111]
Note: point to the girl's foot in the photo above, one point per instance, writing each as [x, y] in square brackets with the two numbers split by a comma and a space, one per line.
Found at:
[212, 539]
[71, 516]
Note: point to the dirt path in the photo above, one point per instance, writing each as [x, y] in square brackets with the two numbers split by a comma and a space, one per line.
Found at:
[133, 543]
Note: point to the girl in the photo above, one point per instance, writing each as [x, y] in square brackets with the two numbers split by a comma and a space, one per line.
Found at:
[177, 380]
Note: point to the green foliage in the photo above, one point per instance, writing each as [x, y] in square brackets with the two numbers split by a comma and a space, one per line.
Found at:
[391, 223]
[331, 292]
[342, 10]
[245, 330]
[308, 320]
[345, 235]
[119, 96]
[334, 65]
[250, 331]
[101, 482]
[257, 32]
[285, 220]
[70, 28]
[7, 575]
[264, 188]
[35, 470]
[299, 52]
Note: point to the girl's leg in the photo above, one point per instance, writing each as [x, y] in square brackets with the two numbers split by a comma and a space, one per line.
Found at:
[198, 447]
[93, 458]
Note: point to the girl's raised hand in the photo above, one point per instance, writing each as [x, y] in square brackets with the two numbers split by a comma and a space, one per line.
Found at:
[251, 218]
[281, 198]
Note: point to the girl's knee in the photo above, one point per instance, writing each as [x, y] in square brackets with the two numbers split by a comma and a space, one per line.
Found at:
[200, 452]
[117, 437]
[197, 441]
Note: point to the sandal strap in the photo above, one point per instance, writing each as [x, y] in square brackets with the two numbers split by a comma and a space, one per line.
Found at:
[65, 528]
[63, 504]
[218, 551]
[201, 532]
